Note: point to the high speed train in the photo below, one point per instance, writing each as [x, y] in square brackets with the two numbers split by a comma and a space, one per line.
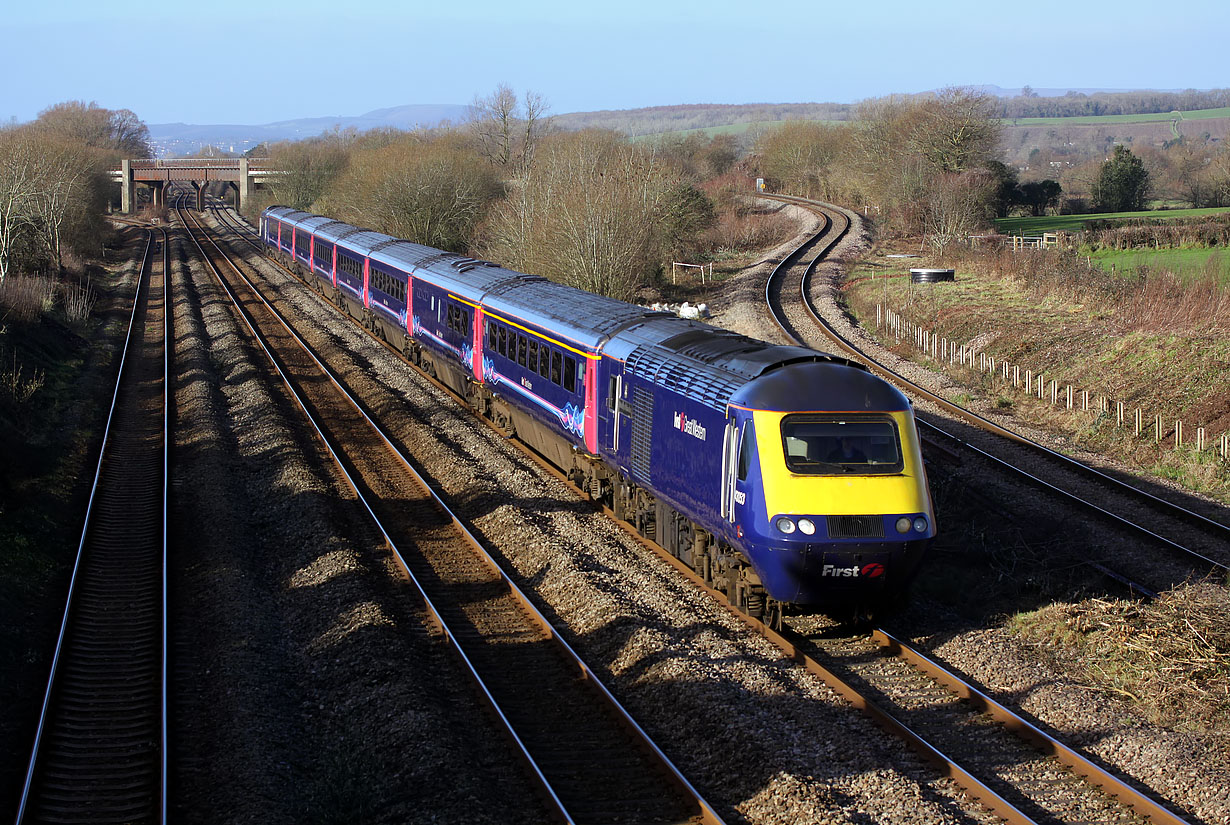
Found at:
[784, 476]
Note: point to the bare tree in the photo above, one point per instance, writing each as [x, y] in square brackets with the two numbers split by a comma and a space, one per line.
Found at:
[119, 132]
[959, 130]
[957, 206]
[590, 213]
[18, 175]
[508, 130]
[429, 190]
[61, 189]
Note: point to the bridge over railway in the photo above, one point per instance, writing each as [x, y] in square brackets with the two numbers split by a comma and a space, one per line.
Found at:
[242, 175]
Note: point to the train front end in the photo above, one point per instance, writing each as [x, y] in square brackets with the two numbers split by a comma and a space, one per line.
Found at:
[829, 497]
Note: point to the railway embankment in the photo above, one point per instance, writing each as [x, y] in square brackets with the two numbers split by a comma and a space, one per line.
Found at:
[1147, 358]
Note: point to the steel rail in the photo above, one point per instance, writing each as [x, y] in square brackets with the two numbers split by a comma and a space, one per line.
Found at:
[167, 405]
[1174, 510]
[707, 813]
[1077, 762]
[71, 599]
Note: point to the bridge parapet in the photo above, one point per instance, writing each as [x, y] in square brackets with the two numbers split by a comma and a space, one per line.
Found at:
[241, 173]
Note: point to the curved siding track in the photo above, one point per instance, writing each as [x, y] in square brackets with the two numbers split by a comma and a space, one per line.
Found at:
[100, 752]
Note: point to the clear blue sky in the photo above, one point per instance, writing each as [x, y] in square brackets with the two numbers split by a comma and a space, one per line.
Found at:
[268, 60]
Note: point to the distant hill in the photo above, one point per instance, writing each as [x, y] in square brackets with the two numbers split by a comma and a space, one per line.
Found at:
[185, 138]
[743, 121]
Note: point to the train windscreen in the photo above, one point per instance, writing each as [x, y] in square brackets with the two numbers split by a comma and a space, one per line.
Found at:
[838, 444]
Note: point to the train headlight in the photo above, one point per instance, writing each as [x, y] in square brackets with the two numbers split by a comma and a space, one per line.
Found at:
[903, 525]
[920, 524]
[807, 526]
[785, 525]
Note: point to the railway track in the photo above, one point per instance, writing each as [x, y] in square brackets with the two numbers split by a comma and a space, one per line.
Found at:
[1200, 543]
[100, 750]
[591, 761]
[898, 686]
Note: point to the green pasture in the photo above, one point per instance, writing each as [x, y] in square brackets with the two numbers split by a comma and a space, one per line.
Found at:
[1029, 225]
[1188, 264]
[728, 129]
[1096, 120]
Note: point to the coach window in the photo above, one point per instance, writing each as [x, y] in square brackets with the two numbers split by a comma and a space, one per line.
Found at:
[557, 359]
[544, 365]
[570, 374]
[532, 359]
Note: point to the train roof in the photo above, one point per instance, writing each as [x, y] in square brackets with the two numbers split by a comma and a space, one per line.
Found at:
[705, 363]
[829, 386]
[587, 319]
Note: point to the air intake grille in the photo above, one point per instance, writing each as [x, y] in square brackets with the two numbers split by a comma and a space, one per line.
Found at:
[855, 527]
[642, 431]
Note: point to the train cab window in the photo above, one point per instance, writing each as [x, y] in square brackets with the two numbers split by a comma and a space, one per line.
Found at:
[827, 444]
[746, 446]
[570, 374]
[557, 360]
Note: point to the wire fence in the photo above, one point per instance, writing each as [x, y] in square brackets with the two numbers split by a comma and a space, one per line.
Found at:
[1164, 428]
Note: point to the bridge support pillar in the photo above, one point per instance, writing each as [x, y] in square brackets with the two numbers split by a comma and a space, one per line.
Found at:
[200, 195]
[244, 191]
[127, 188]
[159, 194]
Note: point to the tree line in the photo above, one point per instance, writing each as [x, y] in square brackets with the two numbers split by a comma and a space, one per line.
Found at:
[589, 208]
[53, 183]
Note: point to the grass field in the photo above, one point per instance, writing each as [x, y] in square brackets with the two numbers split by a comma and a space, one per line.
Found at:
[1186, 263]
[1198, 114]
[728, 129]
[1076, 223]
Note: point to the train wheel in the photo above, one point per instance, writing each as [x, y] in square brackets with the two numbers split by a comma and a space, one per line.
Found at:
[773, 615]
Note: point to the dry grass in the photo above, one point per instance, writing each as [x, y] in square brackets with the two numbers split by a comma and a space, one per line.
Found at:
[1171, 657]
[1152, 342]
[17, 384]
[1146, 300]
[26, 298]
[79, 300]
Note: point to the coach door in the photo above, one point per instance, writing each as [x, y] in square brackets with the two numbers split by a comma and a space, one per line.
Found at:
[616, 411]
[737, 448]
